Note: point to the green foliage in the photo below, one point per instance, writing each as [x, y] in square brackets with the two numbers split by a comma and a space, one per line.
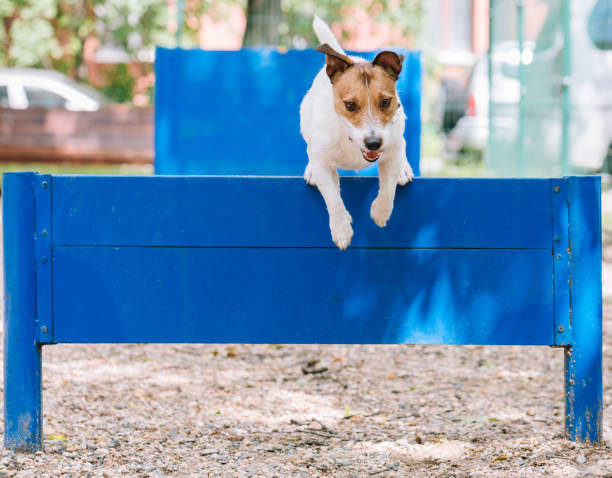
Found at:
[121, 85]
[407, 14]
[33, 43]
[298, 18]
[134, 26]
[53, 33]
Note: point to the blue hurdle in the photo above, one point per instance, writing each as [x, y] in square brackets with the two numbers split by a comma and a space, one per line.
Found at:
[91, 259]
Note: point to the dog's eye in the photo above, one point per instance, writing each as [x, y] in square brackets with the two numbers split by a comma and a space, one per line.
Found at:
[350, 106]
[385, 103]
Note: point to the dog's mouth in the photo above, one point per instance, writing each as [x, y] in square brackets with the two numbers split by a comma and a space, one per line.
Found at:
[371, 156]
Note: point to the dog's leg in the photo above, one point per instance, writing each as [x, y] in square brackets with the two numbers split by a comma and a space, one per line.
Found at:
[405, 174]
[308, 175]
[326, 180]
[388, 173]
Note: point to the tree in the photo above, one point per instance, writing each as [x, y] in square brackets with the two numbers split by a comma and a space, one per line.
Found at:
[288, 23]
[264, 18]
[52, 33]
[56, 33]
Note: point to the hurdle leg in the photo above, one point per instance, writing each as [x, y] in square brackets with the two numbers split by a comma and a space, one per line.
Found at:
[22, 353]
[583, 359]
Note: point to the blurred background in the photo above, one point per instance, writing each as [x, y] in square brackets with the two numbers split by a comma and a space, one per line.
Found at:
[510, 87]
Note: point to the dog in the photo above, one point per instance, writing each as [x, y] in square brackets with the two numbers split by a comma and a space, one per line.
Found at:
[351, 118]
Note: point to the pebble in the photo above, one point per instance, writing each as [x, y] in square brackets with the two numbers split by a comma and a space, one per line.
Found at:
[207, 452]
[161, 435]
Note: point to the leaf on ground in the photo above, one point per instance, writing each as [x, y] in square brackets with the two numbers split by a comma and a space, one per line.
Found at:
[57, 437]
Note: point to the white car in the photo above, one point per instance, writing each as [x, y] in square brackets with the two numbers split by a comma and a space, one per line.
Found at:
[22, 88]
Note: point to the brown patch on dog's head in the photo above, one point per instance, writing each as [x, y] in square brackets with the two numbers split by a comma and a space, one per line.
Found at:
[335, 62]
[391, 62]
[365, 91]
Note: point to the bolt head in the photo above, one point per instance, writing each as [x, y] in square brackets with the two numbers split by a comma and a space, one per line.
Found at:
[44, 259]
[44, 184]
[557, 189]
[44, 329]
[561, 328]
[44, 233]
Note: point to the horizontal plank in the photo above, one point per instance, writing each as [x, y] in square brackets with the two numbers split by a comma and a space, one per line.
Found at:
[285, 212]
[155, 294]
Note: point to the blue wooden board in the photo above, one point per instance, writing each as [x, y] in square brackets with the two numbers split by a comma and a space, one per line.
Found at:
[285, 212]
[183, 294]
[245, 259]
[237, 112]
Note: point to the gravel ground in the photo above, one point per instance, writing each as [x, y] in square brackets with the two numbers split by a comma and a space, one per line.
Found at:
[280, 410]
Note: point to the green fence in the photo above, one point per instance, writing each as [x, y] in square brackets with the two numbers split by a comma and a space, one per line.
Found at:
[548, 102]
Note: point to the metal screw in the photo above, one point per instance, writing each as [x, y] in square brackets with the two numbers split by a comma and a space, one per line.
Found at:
[560, 328]
[44, 233]
[557, 239]
[45, 184]
[558, 257]
[44, 329]
[557, 189]
[44, 259]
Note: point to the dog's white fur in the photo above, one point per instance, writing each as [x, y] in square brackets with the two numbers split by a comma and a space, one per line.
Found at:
[329, 148]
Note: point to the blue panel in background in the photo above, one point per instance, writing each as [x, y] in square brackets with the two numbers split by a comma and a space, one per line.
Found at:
[237, 112]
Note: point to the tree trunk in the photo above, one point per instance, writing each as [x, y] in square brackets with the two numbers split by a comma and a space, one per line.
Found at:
[263, 19]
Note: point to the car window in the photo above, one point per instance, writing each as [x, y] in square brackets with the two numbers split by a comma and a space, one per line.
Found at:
[4, 102]
[39, 98]
[600, 25]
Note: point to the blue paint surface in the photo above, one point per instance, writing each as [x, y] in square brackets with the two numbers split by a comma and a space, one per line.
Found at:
[303, 295]
[285, 212]
[237, 112]
[249, 259]
[220, 254]
[22, 355]
[583, 359]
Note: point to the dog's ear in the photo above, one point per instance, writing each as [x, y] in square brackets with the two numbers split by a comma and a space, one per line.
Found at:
[391, 62]
[335, 62]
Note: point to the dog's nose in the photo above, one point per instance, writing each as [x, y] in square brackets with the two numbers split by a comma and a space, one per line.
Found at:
[373, 143]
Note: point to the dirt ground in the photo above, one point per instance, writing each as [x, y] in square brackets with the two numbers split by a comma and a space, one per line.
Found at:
[310, 411]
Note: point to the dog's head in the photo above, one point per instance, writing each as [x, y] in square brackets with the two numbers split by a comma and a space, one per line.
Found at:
[365, 96]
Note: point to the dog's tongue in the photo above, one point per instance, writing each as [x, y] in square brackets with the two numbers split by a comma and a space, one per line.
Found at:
[372, 154]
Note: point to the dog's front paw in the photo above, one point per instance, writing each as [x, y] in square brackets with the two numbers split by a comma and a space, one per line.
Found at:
[406, 175]
[308, 177]
[381, 211]
[341, 229]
